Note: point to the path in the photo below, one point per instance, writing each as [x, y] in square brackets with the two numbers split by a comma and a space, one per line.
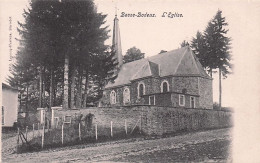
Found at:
[108, 151]
[9, 144]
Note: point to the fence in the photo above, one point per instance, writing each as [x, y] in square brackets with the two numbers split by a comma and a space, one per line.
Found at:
[72, 130]
[71, 127]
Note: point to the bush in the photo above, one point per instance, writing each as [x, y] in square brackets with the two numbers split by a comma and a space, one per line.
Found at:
[215, 106]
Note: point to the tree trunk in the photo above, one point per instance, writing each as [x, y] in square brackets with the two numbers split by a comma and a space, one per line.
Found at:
[72, 90]
[220, 89]
[86, 90]
[79, 89]
[54, 94]
[40, 92]
[51, 89]
[43, 88]
[66, 83]
[26, 102]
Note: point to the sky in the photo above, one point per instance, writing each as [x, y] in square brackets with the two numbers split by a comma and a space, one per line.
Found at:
[151, 35]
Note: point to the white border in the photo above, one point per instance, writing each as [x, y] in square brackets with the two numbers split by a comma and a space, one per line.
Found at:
[153, 99]
[114, 102]
[168, 86]
[124, 95]
[180, 100]
[138, 88]
[194, 101]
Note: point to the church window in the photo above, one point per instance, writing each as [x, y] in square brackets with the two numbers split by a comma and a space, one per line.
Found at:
[181, 100]
[165, 86]
[192, 102]
[126, 95]
[152, 100]
[113, 97]
[141, 89]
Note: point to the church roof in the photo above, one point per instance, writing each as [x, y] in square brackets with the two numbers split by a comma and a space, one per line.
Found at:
[179, 62]
[148, 69]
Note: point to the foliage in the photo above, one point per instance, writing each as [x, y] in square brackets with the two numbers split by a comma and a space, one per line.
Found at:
[198, 45]
[218, 44]
[184, 43]
[213, 46]
[133, 54]
[215, 106]
[162, 51]
[53, 30]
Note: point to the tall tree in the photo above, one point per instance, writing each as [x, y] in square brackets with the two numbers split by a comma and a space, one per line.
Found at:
[184, 43]
[54, 37]
[133, 54]
[218, 48]
[198, 45]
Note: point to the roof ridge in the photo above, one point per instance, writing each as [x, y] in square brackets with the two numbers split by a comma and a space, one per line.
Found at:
[193, 58]
[183, 54]
[199, 64]
[147, 62]
[168, 52]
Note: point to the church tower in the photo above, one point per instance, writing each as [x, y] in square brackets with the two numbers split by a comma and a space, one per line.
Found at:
[117, 42]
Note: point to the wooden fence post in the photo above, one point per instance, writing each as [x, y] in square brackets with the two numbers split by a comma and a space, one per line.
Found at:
[43, 129]
[26, 131]
[33, 130]
[17, 147]
[38, 129]
[79, 132]
[62, 136]
[125, 127]
[96, 130]
[111, 128]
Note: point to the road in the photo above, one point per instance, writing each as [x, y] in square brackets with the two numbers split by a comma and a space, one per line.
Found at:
[138, 150]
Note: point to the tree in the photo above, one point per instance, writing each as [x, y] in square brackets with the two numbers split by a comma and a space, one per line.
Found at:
[133, 54]
[218, 48]
[198, 45]
[58, 40]
[184, 43]
[162, 51]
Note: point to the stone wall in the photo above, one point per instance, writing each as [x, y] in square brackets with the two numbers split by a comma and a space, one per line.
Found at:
[198, 87]
[154, 120]
[165, 120]
[206, 94]
[188, 83]
[103, 116]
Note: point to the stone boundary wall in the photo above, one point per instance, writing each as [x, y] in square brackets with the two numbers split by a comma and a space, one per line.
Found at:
[165, 120]
[104, 116]
[154, 120]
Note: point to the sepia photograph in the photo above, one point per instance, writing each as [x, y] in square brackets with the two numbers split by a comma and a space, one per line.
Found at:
[130, 81]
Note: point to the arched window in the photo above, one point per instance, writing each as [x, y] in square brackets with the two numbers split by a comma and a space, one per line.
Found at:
[141, 89]
[113, 97]
[126, 95]
[165, 86]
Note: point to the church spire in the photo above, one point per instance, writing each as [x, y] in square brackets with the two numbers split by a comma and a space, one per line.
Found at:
[117, 41]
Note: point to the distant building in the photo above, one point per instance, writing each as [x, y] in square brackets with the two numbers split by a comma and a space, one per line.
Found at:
[9, 105]
[175, 78]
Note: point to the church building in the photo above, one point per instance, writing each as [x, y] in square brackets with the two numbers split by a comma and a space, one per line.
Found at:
[174, 79]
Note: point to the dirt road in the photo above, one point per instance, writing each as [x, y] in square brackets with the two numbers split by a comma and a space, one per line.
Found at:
[122, 150]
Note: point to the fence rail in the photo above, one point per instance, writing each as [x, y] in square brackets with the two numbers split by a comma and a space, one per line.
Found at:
[74, 132]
